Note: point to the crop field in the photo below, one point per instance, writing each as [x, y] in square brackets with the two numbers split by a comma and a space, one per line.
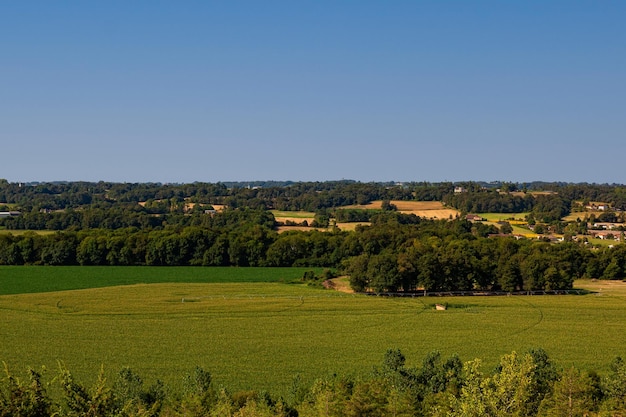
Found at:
[260, 335]
[28, 279]
[428, 209]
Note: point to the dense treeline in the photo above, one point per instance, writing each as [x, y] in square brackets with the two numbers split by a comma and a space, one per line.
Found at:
[396, 252]
[490, 202]
[175, 224]
[548, 208]
[528, 384]
[309, 196]
[102, 205]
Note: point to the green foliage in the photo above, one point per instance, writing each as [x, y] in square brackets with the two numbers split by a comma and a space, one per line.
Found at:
[24, 399]
[615, 386]
[572, 395]
[80, 401]
[511, 390]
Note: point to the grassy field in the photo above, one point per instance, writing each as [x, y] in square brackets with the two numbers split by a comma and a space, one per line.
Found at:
[22, 232]
[260, 335]
[29, 279]
[496, 217]
[303, 215]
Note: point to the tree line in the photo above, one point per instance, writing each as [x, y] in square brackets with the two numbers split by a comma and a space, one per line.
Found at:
[308, 196]
[527, 384]
[396, 252]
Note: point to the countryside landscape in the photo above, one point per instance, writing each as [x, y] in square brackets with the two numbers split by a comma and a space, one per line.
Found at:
[312, 298]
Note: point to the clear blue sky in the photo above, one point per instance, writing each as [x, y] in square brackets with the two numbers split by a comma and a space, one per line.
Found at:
[184, 91]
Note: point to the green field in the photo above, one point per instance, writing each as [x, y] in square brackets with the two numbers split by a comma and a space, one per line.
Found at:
[29, 279]
[260, 335]
[294, 214]
[496, 217]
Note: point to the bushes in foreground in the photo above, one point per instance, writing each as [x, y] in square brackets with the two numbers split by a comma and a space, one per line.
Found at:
[521, 385]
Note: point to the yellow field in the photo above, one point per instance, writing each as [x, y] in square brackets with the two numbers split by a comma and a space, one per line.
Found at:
[351, 226]
[296, 217]
[296, 220]
[283, 229]
[22, 232]
[341, 226]
[428, 209]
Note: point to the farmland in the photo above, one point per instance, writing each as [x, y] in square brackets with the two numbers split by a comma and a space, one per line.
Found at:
[427, 209]
[16, 280]
[261, 335]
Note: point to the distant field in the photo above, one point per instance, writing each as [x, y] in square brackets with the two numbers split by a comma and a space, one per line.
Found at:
[572, 217]
[352, 226]
[27, 279]
[525, 232]
[428, 209]
[602, 242]
[496, 217]
[303, 215]
[297, 217]
[21, 232]
[260, 335]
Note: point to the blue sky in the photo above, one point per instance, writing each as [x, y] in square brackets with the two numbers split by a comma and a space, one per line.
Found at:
[211, 91]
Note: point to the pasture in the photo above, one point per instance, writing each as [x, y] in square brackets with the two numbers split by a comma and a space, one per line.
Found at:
[513, 218]
[260, 335]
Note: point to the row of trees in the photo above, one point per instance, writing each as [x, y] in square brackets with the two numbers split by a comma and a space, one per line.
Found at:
[396, 252]
[148, 217]
[547, 208]
[521, 385]
[309, 196]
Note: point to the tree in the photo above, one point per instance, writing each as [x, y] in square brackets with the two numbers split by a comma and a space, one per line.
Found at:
[505, 227]
[25, 399]
[572, 396]
[382, 271]
[507, 393]
[615, 385]
[510, 391]
[82, 402]
[91, 251]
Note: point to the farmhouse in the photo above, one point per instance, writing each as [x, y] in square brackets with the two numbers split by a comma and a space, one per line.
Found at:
[607, 234]
[473, 218]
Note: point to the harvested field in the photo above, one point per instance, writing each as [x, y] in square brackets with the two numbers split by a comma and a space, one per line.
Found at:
[351, 226]
[341, 226]
[15, 232]
[295, 217]
[296, 220]
[428, 209]
[283, 229]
